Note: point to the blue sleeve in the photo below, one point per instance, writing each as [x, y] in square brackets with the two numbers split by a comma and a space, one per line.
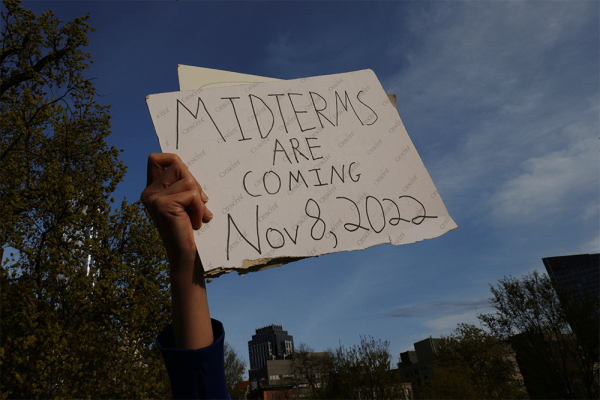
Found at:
[195, 374]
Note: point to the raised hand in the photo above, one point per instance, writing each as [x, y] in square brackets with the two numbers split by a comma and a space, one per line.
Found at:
[176, 202]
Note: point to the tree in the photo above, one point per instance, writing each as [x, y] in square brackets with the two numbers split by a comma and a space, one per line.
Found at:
[311, 372]
[472, 364]
[52, 129]
[360, 372]
[87, 291]
[450, 381]
[235, 368]
[90, 335]
[554, 332]
[363, 372]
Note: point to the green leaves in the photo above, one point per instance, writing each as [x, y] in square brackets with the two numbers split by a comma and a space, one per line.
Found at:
[235, 368]
[473, 364]
[87, 292]
[554, 332]
[363, 371]
[359, 372]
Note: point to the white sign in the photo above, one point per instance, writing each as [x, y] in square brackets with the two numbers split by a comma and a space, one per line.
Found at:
[299, 168]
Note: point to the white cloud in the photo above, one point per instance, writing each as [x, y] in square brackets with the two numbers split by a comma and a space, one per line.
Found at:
[593, 246]
[548, 183]
[445, 306]
[591, 211]
[442, 317]
[445, 325]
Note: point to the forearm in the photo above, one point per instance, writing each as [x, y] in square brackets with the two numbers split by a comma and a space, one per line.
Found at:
[176, 202]
[192, 328]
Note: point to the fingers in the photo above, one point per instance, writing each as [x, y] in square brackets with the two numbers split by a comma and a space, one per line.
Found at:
[190, 200]
[175, 171]
[157, 162]
[202, 194]
[172, 189]
[190, 185]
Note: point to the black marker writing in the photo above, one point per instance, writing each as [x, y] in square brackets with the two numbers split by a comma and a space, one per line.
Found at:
[373, 111]
[236, 117]
[338, 100]
[317, 218]
[298, 112]
[231, 221]
[318, 111]
[256, 117]
[195, 115]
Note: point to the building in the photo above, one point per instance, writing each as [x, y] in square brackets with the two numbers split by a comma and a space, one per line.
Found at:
[273, 373]
[269, 343]
[274, 380]
[405, 387]
[414, 366]
[281, 372]
[581, 272]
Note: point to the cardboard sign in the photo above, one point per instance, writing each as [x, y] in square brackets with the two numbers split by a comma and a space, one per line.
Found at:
[299, 168]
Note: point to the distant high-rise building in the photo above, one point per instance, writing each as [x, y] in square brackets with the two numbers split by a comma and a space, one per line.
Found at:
[269, 343]
[414, 366]
[581, 272]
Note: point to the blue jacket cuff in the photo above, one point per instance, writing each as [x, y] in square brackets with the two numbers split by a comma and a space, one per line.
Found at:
[195, 374]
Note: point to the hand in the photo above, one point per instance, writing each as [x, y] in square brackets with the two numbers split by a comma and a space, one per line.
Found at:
[176, 202]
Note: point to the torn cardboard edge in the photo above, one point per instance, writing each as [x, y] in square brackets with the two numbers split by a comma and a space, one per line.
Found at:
[262, 264]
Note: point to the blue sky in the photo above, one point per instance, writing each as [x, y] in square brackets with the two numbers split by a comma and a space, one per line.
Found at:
[501, 100]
